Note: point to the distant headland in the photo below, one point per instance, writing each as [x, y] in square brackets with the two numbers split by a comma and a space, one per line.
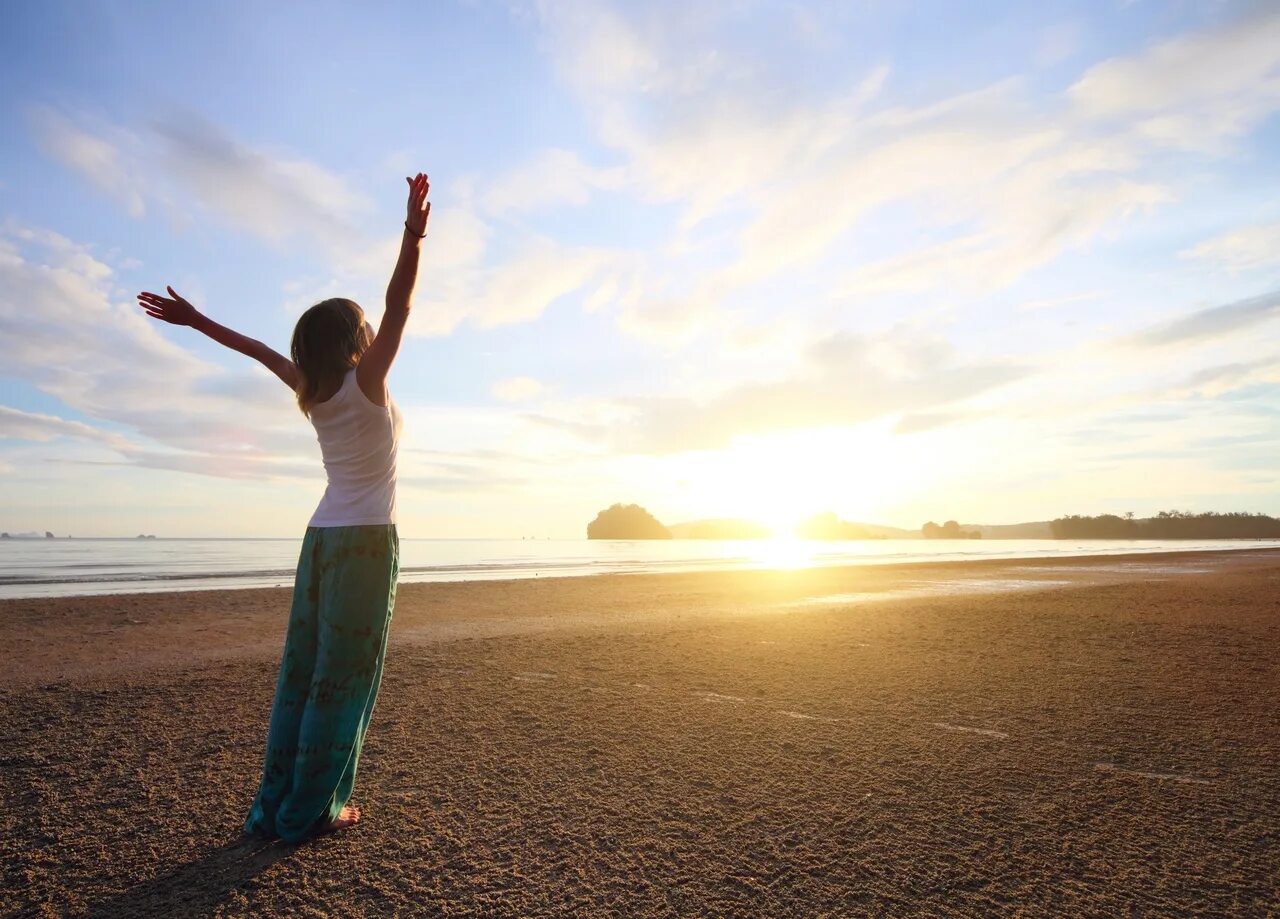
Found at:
[631, 521]
[32, 534]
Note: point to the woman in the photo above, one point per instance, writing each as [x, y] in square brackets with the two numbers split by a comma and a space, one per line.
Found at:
[346, 582]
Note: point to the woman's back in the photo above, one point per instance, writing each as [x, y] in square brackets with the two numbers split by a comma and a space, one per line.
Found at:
[358, 441]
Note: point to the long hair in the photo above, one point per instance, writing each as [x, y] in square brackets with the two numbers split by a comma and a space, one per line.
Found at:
[327, 342]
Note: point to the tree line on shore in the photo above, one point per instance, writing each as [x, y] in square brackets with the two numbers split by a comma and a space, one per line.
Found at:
[1168, 525]
[949, 530]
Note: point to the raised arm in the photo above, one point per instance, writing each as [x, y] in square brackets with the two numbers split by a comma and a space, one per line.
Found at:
[178, 311]
[376, 361]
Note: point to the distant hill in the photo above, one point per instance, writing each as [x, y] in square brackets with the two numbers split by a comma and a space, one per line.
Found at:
[823, 526]
[1040, 529]
[829, 526]
[720, 528]
[626, 521]
[633, 522]
[880, 531]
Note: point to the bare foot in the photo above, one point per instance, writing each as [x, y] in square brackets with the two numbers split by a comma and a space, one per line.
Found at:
[349, 817]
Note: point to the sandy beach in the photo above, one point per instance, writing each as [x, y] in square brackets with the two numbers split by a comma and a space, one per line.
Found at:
[1080, 737]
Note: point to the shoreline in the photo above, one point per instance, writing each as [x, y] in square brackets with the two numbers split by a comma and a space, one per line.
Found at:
[280, 578]
[127, 636]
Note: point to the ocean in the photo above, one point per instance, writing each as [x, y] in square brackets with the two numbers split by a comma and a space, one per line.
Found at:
[76, 567]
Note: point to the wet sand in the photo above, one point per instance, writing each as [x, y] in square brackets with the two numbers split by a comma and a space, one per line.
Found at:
[1066, 737]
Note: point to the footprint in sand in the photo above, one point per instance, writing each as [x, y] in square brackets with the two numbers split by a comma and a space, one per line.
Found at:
[801, 716]
[718, 697]
[1159, 776]
[533, 676]
[985, 732]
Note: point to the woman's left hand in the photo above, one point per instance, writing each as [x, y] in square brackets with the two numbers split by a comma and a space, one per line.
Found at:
[172, 309]
[419, 208]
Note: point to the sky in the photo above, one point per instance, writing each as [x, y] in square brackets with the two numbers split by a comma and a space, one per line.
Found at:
[992, 262]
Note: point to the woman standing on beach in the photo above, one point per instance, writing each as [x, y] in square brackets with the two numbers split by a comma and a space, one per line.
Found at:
[346, 581]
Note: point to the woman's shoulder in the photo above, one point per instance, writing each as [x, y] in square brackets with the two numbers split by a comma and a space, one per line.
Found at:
[371, 391]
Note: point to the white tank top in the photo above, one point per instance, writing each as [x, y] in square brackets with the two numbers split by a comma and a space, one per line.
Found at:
[358, 440]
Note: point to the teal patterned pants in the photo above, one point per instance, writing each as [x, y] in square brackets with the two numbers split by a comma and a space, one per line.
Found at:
[341, 613]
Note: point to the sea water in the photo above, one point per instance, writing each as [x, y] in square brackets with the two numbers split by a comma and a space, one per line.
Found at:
[71, 567]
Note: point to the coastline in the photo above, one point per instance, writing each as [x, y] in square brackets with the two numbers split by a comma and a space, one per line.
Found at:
[66, 570]
[1089, 735]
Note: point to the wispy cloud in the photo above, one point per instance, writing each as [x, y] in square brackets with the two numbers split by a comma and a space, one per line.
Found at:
[849, 379]
[553, 177]
[19, 425]
[183, 159]
[517, 389]
[108, 361]
[517, 289]
[1194, 91]
[1242, 249]
[915, 422]
[1210, 323]
[1221, 378]
[1003, 182]
[97, 154]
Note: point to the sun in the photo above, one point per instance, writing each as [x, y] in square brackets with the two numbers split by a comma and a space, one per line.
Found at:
[780, 479]
[783, 523]
[784, 552]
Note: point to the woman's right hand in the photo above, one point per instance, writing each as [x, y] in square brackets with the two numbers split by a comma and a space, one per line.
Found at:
[174, 308]
[419, 208]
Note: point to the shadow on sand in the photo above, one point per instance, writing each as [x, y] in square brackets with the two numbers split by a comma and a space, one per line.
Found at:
[198, 887]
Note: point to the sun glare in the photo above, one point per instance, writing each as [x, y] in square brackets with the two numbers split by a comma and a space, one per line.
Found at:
[781, 479]
[784, 552]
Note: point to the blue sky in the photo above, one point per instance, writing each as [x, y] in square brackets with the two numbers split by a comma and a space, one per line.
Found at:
[913, 261]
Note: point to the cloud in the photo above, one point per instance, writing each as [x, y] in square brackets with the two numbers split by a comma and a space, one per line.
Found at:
[213, 464]
[1058, 43]
[482, 482]
[270, 194]
[1214, 322]
[1242, 249]
[553, 177]
[65, 334]
[998, 183]
[670, 321]
[1013, 244]
[848, 379]
[519, 289]
[1222, 378]
[517, 389]
[95, 157]
[916, 422]
[278, 196]
[1043, 303]
[1193, 91]
[19, 425]
[699, 124]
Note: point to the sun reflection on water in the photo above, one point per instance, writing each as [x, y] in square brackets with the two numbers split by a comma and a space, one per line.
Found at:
[783, 552]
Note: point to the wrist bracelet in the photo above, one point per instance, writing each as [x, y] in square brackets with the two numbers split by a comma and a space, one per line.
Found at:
[411, 233]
